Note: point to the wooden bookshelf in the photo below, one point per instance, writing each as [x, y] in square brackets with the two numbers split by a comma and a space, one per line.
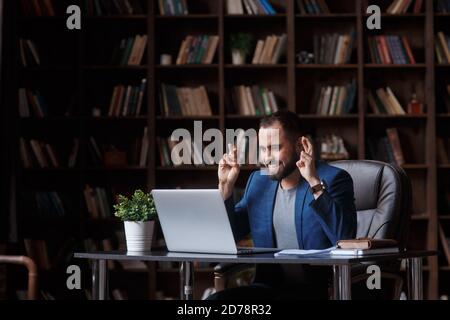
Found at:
[92, 80]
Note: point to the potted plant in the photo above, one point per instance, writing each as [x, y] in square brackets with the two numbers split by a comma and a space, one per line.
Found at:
[240, 44]
[138, 214]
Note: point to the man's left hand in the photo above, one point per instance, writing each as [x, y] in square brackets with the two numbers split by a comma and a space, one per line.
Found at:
[306, 164]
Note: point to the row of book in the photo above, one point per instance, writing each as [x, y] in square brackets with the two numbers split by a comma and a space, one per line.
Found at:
[191, 153]
[50, 205]
[199, 49]
[387, 149]
[384, 101]
[112, 7]
[390, 49]
[442, 46]
[47, 255]
[443, 6]
[445, 243]
[29, 55]
[252, 7]
[335, 100]
[253, 100]
[270, 50]
[184, 101]
[130, 51]
[444, 98]
[98, 202]
[403, 6]
[173, 7]
[442, 150]
[127, 100]
[109, 155]
[313, 7]
[32, 103]
[35, 153]
[37, 8]
[334, 48]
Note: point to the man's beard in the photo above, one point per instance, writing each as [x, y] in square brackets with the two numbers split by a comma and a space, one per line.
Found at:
[287, 168]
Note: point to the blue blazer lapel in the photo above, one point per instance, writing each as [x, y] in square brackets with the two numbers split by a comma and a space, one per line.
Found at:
[300, 203]
[267, 216]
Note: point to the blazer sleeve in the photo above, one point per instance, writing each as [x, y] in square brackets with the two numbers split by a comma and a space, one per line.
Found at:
[238, 214]
[336, 208]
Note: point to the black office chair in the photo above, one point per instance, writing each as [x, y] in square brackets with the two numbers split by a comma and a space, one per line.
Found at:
[383, 203]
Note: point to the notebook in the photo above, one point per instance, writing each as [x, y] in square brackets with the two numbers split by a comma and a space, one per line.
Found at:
[364, 252]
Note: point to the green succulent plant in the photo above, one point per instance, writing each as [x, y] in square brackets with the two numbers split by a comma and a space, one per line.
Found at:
[139, 208]
[241, 41]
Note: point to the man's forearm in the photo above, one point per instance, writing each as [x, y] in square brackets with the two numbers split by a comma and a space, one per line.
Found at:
[225, 190]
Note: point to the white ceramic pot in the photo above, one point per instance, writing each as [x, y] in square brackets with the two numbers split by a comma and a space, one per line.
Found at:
[238, 57]
[139, 235]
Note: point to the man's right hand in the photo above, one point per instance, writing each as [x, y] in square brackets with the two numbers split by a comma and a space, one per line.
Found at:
[228, 172]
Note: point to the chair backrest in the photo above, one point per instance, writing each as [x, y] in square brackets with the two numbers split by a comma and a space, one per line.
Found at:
[382, 198]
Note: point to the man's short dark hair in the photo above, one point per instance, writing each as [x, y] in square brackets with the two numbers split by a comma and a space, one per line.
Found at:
[288, 120]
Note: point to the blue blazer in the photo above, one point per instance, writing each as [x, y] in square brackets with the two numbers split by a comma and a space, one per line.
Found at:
[319, 223]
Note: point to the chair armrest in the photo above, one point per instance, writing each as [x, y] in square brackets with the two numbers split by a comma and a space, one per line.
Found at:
[32, 272]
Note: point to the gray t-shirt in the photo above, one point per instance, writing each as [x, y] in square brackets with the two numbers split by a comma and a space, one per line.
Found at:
[284, 218]
[285, 231]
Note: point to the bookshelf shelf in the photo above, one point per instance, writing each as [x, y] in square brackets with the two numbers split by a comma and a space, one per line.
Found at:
[255, 17]
[188, 168]
[43, 19]
[187, 66]
[255, 66]
[442, 65]
[199, 16]
[443, 166]
[420, 217]
[202, 168]
[51, 170]
[320, 117]
[50, 119]
[399, 117]
[444, 217]
[187, 118]
[119, 68]
[116, 169]
[49, 69]
[115, 18]
[400, 16]
[446, 268]
[240, 117]
[327, 66]
[415, 166]
[443, 116]
[395, 66]
[115, 119]
[175, 270]
[326, 16]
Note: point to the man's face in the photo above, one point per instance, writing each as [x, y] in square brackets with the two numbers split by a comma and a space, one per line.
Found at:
[278, 155]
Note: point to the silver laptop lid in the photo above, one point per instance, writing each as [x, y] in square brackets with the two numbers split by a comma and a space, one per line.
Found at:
[194, 221]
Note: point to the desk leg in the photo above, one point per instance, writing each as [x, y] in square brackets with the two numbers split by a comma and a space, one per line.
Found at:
[94, 267]
[415, 283]
[99, 280]
[186, 280]
[342, 282]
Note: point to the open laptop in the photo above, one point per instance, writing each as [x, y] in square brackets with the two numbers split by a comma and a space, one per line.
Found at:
[197, 221]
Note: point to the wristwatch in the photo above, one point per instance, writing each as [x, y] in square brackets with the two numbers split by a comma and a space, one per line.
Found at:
[319, 187]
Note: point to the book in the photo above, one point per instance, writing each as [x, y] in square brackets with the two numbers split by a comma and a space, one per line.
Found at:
[366, 243]
[364, 252]
[444, 243]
